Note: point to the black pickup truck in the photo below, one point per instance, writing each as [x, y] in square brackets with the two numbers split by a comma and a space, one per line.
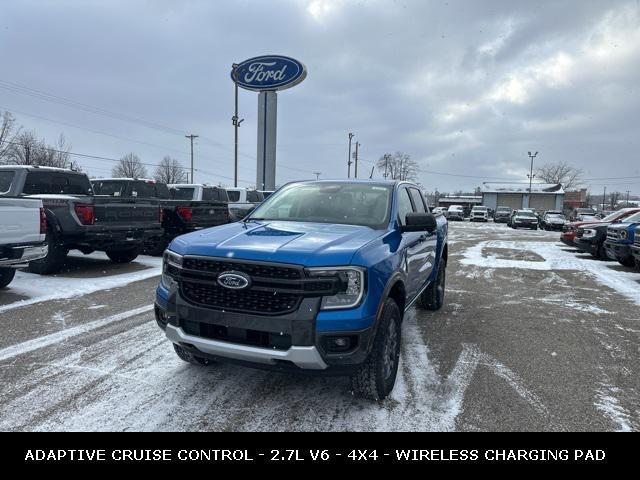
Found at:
[77, 219]
[179, 215]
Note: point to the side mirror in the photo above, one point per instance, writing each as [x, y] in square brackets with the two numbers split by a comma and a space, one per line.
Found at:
[419, 222]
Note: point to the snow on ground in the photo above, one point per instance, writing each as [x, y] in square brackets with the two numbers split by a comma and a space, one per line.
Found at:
[40, 288]
[556, 257]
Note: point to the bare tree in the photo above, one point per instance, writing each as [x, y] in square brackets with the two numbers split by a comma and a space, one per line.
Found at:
[170, 171]
[8, 132]
[129, 166]
[399, 166]
[560, 172]
[27, 149]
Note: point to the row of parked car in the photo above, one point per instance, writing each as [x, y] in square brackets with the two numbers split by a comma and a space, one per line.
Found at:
[614, 237]
[45, 212]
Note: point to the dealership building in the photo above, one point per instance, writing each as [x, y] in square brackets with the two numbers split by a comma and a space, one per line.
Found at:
[542, 197]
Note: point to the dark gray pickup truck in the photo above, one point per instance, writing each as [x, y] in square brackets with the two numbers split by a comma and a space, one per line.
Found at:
[180, 214]
[77, 219]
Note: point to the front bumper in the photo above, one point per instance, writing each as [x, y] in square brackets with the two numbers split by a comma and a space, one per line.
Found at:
[617, 251]
[297, 341]
[635, 251]
[301, 357]
[20, 256]
[525, 225]
[501, 219]
[568, 240]
[587, 245]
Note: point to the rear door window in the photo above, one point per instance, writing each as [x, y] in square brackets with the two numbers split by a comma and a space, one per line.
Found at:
[6, 178]
[56, 183]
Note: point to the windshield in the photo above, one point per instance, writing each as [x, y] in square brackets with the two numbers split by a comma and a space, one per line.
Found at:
[329, 202]
[110, 188]
[633, 218]
[182, 193]
[503, 209]
[525, 213]
[6, 178]
[555, 215]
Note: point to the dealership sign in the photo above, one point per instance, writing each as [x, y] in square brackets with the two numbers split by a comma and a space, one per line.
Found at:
[269, 73]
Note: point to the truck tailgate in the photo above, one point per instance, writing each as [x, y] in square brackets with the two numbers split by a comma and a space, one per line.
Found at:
[20, 221]
[209, 214]
[113, 212]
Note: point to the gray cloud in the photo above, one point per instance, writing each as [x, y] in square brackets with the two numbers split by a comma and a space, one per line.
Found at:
[465, 87]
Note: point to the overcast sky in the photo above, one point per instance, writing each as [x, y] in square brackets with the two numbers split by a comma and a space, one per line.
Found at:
[464, 87]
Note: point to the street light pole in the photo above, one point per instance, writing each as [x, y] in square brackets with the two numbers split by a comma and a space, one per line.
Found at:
[192, 137]
[356, 169]
[317, 174]
[351, 135]
[604, 197]
[531, 175]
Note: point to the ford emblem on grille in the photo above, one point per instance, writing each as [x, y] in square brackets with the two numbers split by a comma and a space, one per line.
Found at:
[234, 280]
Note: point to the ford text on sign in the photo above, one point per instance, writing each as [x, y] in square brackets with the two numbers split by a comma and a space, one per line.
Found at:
[269, 72]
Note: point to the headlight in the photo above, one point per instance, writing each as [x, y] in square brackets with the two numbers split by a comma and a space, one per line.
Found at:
[589, 233]
[170, 262]
[353, 277]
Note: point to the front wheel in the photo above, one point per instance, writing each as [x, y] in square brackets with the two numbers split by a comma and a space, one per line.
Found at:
[123, 255]
[433, 296]
[6, 276]
[376, 377]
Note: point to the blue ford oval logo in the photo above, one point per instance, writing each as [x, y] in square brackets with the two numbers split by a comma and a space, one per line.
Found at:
[269, 72]
[234, 280]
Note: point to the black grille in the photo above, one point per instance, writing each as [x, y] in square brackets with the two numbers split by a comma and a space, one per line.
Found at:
[258, 301]
[251, 269]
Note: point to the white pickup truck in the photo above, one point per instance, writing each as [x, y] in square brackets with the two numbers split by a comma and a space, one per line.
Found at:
[242, 202]
[23, 226]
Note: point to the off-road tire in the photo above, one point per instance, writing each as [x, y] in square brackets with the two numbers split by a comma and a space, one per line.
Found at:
[123, 256]
[375, 378]
[53, 262]
[627, 262]
[433, 296]
[189, 357]
[156, 247]
[6, 276]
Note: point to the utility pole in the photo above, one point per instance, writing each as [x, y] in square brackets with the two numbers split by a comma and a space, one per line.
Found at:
[604, 198]
[628, 191]
[531, 175]
[317, 174]
[356, 170]
[191, 137]
[236, 121]
[351, 135]
[372, 169]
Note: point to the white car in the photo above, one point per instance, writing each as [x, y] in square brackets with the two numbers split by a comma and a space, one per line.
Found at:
[23, 226]
[440, 210]
[479, 214]
[455, 212]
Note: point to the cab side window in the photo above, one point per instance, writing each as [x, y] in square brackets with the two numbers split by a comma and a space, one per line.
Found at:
[418, 200]
[404, 205]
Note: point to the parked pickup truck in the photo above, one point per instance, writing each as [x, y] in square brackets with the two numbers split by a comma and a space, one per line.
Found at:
[635, 249]
[479, 213]
[569, 230]
[23, 226]
[179, 215]
[317, 279]
[590, 238]
[620, 239]
[76, 219]
[242, 201]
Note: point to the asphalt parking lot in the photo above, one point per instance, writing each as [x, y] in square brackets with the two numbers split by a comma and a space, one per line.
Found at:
[533, 336]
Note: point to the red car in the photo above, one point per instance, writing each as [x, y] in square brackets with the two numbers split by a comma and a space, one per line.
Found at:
[568, 234]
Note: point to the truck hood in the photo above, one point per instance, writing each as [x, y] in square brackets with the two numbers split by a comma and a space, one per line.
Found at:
[623, 226]
[309, 244]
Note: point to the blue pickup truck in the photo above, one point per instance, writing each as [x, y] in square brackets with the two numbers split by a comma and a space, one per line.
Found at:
[317, 279]
[620, 241]
[635, 249]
